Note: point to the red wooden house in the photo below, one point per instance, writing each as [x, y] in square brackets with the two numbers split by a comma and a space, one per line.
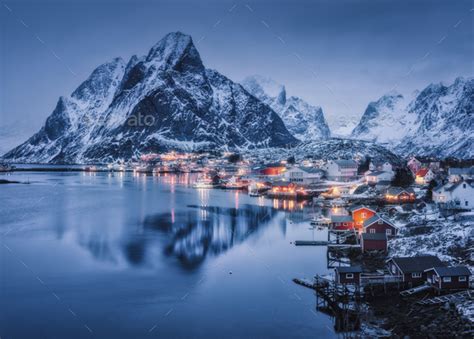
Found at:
[412, 269]
[342, 222]
[374, 242]
[448, 278]
[377, 224]
[348, 275]
[361, 214]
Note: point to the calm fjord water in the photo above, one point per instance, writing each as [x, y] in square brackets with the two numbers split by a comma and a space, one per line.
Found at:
[123, 256]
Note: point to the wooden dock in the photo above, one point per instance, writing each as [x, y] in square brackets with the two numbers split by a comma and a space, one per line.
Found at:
[310, 243]
[459, 296]
[415, 290]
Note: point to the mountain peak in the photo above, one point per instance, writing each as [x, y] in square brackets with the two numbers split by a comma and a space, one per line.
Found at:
[176, 50]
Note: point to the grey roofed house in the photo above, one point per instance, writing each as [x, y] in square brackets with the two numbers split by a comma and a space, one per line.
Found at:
[341, 218]
[376, 218]
[451, 271]
[417, 263]
[374, 236]
[346, 163]
[449, 187]
[349, 269]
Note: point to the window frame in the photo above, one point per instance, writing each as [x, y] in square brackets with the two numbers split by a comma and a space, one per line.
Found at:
[416, 275]
[349, 275]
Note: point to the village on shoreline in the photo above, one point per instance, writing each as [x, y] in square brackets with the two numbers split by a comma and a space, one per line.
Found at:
[398, 232]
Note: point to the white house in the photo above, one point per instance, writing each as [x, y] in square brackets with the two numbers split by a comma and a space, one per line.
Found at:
[375, 177]
[424, 176]
[382, 166]
[341, 170]
[461, 194]
[304, 175]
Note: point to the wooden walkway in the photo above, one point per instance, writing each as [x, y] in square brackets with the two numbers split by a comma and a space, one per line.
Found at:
[415, 290]
[446, 298]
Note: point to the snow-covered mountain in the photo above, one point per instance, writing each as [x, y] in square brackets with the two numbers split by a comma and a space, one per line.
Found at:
[304, 121]
[164, 100]
[437, 122]
[383, 121]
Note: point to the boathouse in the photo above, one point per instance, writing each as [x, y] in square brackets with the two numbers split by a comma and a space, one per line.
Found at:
[412, 269]
[448, 278]
[374, 242]
[342, 222]
[377, 224]
[348, 275]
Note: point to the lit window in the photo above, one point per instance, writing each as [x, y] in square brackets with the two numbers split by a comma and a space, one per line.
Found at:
[349, 276]
[446, 279]
[416, 275]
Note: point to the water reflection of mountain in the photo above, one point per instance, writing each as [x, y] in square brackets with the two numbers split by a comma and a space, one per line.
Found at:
[203, 231]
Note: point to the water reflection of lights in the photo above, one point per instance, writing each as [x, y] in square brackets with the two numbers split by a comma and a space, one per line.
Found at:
[288, 205]
[237, 200]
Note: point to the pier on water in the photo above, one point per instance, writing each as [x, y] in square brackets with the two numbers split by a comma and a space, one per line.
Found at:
[338, 300]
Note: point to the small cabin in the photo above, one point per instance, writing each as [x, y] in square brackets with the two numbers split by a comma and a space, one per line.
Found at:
[399, 195]
[412, 269]
[361, 214]
[377, 224]
[348, 275]
[374, 242]
[448, 278]
[342, 222]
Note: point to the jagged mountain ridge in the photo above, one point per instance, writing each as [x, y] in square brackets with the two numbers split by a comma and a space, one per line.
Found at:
[166, 99]
[304, 121]
[437, 122]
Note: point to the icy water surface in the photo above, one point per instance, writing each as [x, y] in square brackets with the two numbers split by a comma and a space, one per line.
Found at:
[123, 256]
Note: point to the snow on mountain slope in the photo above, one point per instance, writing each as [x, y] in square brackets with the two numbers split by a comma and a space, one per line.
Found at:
[164, 100]
[437, 122]
[304, 121]
[443, 121]
[384, 121]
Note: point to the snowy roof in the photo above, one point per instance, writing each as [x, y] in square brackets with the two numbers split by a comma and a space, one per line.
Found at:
[417, 264]
[349, 269]
[358, 207]
[311, 169]
[374, 236]
[451, 271]
[341, 218]
[376, 218]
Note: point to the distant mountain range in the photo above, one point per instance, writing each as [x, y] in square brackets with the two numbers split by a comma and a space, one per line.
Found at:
[168, 100]
[304, 121]
[438, 121]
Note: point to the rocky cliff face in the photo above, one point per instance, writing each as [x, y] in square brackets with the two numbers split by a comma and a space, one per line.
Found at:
[304, 121]
[164, 100]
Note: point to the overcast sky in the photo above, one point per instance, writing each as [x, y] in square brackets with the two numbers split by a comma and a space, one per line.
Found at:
[337, 54]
